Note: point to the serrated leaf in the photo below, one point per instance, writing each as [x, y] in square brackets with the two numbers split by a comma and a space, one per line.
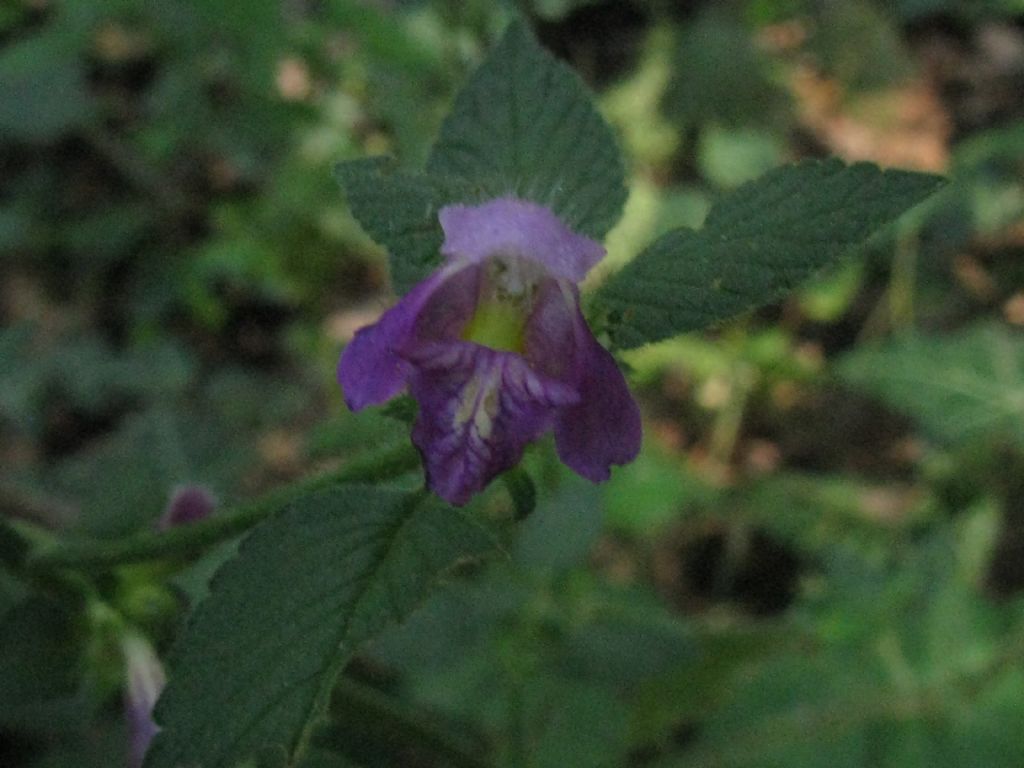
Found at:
[399, 209]
[524, 125]
[258, 658]
[961, 387]
[757, 244]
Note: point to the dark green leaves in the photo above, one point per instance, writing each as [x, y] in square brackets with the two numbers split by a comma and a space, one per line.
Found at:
[38, 663]
[43, 90]
[720, 76]
[522, 126]
[757, 244]
[525, 126]
[960, 388]
[255, 664]
[399, 210]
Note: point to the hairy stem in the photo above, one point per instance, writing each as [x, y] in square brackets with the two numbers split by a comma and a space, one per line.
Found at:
[185, 540]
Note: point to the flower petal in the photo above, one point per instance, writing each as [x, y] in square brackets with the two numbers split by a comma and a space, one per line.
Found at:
[517, 227]
[603, 427]
[145, 679]
[371, 369]
[479, 408]
[550, 342]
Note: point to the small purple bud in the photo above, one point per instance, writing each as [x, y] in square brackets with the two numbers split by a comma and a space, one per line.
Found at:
[188, 503]
[144, 680]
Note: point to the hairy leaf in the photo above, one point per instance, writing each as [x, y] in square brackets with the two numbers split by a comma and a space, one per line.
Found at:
[252, 672]
[399, 209]
[757, 244]
[524, 125]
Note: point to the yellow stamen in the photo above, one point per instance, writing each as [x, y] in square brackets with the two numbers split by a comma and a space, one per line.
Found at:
[498, 325]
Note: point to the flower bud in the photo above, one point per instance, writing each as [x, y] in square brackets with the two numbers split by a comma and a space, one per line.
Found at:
[188, 503]
[144, 680]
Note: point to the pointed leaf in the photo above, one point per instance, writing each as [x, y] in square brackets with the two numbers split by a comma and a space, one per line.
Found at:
[960, 387]
[524, 125]
[253, 669]
[399, 209]
[757, 244]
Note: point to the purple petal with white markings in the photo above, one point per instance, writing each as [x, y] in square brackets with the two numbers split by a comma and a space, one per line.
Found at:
[479, 408]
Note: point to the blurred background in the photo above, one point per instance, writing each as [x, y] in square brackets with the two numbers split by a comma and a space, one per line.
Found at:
[818, 559]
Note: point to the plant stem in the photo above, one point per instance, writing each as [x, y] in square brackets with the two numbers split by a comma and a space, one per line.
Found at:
[726, 429]
[185, 540]
[902, 283]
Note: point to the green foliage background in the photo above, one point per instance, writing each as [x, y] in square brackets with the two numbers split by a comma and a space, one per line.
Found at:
[815, 561]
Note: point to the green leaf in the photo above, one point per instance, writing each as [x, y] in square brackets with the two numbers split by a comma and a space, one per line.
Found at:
[164, 447]
[575, 723]
[399, 209]
[254, 667]
[368, 727]
[699, 683]
[563, 528]
[39, 660]
[859, 44]
[961, 387]
[757, 244]
[524, 125]
[384, 36]
[646, 496]
[720, 76]
[43, 90]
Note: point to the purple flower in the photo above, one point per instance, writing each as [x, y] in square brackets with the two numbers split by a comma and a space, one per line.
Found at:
[144, 680]
[495, 350]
